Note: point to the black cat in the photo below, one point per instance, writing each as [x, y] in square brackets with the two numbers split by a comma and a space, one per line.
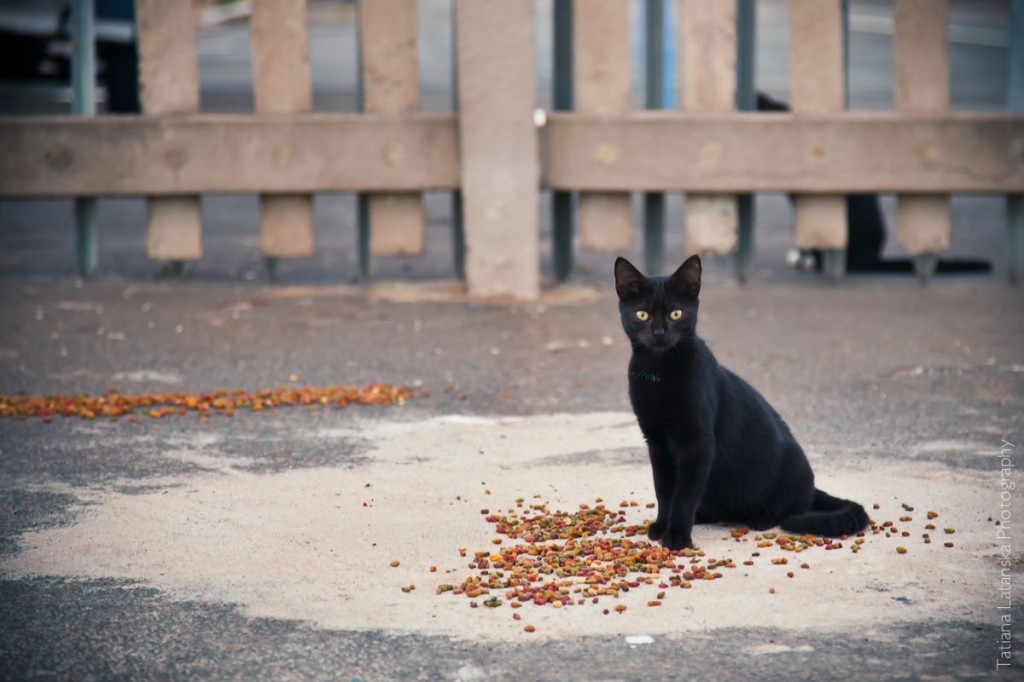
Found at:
[718, 449]
[867, 233]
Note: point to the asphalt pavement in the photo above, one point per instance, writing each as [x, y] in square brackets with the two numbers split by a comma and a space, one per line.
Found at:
[112, 533]
[874, 376]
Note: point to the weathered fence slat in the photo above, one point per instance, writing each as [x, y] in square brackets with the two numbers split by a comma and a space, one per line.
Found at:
[169, 80]
[602, 85]
[864, 151]
[707, 38]
[818, 86]
[499, 199]
[281, 85]
[921, 86]
[390, 85]
[851, 152]
[227, 153]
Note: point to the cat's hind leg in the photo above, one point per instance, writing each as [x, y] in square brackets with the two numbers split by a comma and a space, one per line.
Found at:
[761, 524]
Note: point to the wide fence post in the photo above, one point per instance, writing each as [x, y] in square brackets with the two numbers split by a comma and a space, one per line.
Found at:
[921, 86]
[602, 85]
[818, 86]
[393, 223]
[281, 85]
[169, 80]
[498, 147]
[707, 37]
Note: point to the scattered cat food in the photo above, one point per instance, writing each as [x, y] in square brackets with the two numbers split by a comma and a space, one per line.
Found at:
[949, 531]
[529, 628]
[395, 564]
[114, 405]
[569, 559]
[935, 515]
[947, 544]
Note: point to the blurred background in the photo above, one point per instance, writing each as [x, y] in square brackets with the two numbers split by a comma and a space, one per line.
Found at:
[37, 236]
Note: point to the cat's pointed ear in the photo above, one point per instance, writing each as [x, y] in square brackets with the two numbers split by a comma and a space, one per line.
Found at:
[686, 280]
[629, 282]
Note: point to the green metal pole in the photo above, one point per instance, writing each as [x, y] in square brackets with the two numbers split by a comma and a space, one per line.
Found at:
[1015, 103]
[746, 100]
[562, 80]
[654, 75]
[834, 263]
[458, 222]
[83, 85]
[362, 200]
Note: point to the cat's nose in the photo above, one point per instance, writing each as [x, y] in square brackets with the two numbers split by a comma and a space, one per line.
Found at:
[658, 331]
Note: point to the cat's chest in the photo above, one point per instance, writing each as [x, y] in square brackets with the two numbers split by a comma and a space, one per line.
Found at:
[663, 394]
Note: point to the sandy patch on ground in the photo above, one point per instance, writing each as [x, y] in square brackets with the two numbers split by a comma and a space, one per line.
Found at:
[316, 544]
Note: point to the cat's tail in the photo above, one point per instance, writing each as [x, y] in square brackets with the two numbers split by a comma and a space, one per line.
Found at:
[829, 516]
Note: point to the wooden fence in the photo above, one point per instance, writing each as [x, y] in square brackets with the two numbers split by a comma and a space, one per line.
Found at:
[497, 158]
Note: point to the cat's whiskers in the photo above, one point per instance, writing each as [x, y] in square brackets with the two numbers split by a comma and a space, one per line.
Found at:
[647, 376]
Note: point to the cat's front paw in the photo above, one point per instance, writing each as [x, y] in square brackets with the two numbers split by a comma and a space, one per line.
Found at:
[674, 539]
[656, 530]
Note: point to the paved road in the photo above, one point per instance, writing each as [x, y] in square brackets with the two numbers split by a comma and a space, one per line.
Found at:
[886, 384]
[922, 384]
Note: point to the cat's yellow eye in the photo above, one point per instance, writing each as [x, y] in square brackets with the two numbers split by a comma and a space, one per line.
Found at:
[675, 315]
[643, 315]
